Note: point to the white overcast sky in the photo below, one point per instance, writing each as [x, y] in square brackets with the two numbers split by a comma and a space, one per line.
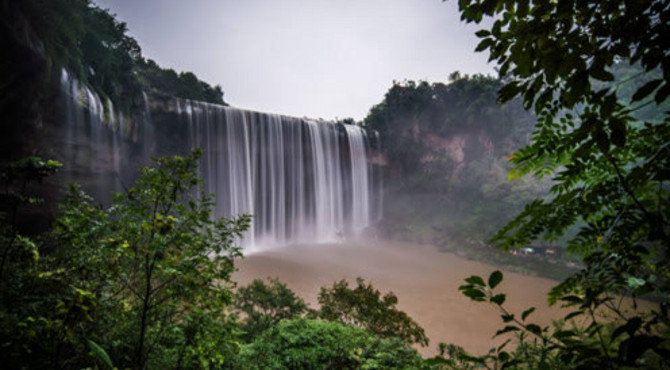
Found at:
[311, 58]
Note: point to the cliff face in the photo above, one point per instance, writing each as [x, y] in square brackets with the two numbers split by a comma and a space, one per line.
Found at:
[446, 155]
[431, 132]
[459, 147]
[23, 71]
[27, 109]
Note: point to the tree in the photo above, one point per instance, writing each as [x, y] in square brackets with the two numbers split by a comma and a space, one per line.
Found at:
[158, 265]
[22, 288]
[314, 344]
[17, 178]
[610, 168]
[365, 307]
[144, 283]
[167, 82]
[264, 305]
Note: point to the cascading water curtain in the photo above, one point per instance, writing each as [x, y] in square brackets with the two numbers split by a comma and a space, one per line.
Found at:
[303, 181]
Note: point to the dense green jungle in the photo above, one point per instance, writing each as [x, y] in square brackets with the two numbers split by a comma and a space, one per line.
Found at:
[557, 167]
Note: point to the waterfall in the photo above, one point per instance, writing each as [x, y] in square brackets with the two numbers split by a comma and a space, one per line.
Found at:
[303, 180]
[91, 147]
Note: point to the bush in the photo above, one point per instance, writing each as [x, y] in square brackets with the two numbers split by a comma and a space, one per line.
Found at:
[364, 307]
[314, 344]
[264, 305]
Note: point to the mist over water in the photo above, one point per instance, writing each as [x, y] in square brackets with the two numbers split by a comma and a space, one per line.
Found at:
[302, 180]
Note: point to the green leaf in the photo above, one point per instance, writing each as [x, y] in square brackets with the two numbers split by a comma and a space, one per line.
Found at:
[630, 327]
[435, 361]
[508, 91]
[618, 129]
[475, 280]
[506, 329]
[609, 103]
[601, 74]
[474, 294]
[483, 33]
[601, 140]
[522, 8]
[495, 278]
[662, 94]
[646, 89]
[498, 299]
[534, 328]
[563, 334]
[578, 83]
[571, 300]
[527, 312]
[573, 314]
[634, 282]
[503, 345]
[100, 353]
[486, 43]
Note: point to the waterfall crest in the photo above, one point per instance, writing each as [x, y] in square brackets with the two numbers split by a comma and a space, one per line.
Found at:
[302, 180]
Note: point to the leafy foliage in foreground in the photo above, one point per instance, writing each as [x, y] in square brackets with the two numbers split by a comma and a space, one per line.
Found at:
[584, 339]
[609, 162]
[20, 283]
[610, 167]
[143, 283]
[310, 344]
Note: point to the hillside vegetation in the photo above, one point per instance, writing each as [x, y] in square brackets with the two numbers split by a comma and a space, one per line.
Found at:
[447, 148]
[41, 37]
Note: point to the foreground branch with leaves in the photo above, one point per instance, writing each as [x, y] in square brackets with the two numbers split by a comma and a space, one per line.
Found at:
[609, 163]
[585, 338]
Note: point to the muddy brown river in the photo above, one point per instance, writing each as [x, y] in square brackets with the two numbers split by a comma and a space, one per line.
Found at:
[425, 280]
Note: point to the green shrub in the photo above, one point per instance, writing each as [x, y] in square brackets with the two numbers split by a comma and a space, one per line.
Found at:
[365, 307]
[263, 305]
[314, 344]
